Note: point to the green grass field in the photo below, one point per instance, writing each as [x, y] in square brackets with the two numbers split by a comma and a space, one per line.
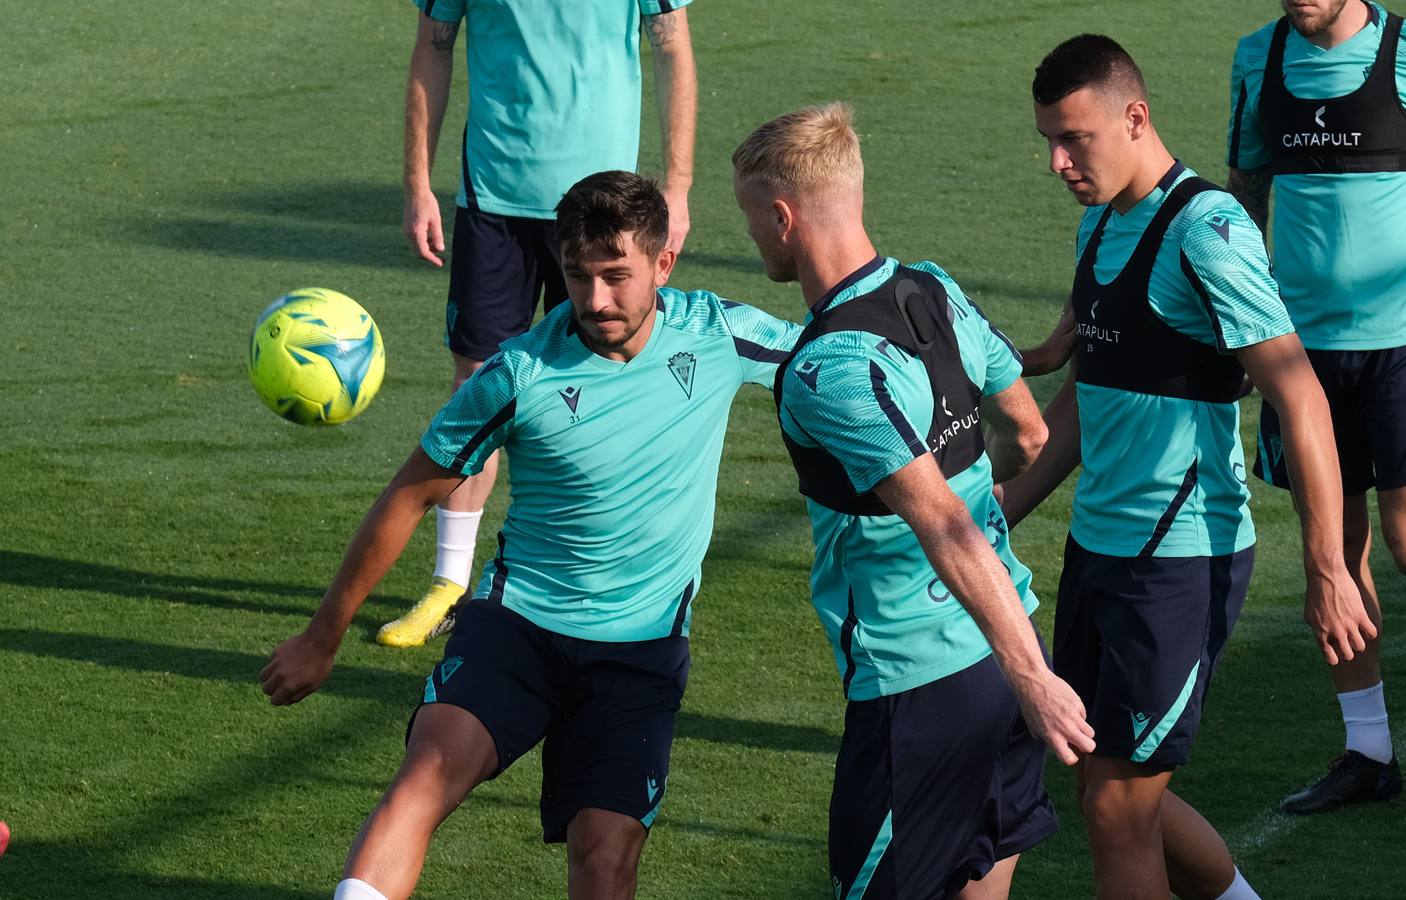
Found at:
[171, 168]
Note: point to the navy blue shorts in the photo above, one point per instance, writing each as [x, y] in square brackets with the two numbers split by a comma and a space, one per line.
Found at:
[1138, 638]
[933, 786]
[1366, 391]
[499, 268]
[605, 709]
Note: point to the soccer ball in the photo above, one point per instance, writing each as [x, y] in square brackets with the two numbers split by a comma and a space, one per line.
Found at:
[316, 357]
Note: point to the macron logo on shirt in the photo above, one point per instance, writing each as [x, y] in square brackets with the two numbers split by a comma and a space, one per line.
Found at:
[571, 396]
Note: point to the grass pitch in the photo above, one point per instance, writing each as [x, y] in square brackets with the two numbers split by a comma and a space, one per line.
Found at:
[169, 169]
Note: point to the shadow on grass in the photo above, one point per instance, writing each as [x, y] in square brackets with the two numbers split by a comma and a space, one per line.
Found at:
[361, 683]
[45, 870]
[32, 570]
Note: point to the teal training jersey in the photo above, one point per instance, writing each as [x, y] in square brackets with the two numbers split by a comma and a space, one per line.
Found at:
[554, 95]
[907, 630]
[1211, 282]
[614, 465]
[1339, 240]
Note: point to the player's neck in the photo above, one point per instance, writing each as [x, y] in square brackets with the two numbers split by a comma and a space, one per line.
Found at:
[1351, 20]
[1156, 162]
[828, 260]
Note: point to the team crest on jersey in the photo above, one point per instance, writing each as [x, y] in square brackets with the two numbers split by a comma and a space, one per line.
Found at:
[809, 374]
[682, 366]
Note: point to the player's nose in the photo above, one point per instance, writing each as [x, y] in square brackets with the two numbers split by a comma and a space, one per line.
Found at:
[1059, 159]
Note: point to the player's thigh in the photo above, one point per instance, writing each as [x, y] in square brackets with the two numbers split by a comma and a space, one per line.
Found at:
[1122, 794]
[921, 808]
[1383, 408]
[608, 748]
[504, 671]
[447, 754]
[1339, 375]
[493, 283]
[1162, 624]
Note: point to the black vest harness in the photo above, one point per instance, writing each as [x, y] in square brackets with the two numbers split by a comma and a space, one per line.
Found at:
[912, 314]
[1364, 131]
[1122, 343]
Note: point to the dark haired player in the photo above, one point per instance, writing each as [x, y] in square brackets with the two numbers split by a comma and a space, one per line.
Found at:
[614, 408]
[1319, 113]
[1173, 304]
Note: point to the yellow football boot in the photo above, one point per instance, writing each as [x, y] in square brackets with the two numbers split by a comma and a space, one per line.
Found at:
[424, 619]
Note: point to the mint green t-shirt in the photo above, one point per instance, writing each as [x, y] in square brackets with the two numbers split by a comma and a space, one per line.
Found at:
[554, 95]
[1339, 240]
[892, 623]
[1168, 466]
[614, 465]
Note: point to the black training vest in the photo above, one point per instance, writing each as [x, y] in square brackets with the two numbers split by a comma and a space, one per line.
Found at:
[911, 312]
[1364, 131]
[1120, 342]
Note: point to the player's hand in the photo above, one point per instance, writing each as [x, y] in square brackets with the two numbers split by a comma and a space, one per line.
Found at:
[1333, 610]
[1054, 352]
[422, 225]
[1055, 714]
[678, 219]
[297, 667]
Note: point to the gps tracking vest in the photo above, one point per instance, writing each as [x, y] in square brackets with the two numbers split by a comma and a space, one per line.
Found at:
[1121, 342]
[1364, 131]
[912, 314]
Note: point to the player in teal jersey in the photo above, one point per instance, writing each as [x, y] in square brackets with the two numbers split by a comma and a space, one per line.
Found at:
[614, 408]
[1172, 297]
[914, 579]
[1318, 105]
[554, 95]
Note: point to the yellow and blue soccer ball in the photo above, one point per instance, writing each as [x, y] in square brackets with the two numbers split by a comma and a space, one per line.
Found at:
[316, 357]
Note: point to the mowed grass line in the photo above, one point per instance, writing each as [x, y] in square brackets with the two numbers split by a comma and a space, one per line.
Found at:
[169, 171]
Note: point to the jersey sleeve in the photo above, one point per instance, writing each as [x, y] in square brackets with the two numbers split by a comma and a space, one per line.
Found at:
[762, 340]
[476, 420]
[1245, 145]
[659, 7]
[867, 408]
[1224, 261]
[442, 10]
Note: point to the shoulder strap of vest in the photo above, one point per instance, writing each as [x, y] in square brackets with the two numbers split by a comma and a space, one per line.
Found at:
[1274, 62]
[1176, 200]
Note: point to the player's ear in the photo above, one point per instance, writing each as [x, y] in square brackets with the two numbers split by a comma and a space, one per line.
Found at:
[664, 266]
[784, 217]
[1137, 119]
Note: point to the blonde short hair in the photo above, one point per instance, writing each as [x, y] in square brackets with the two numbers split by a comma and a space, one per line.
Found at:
[806, 151]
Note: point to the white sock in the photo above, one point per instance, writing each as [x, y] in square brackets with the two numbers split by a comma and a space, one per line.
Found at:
[1364, 714]
[454, 550]
[1239, 889]
[356, 889]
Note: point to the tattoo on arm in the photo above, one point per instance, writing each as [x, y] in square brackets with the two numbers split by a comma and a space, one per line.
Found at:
[661, 28]
[444, 34]
[1251, 188]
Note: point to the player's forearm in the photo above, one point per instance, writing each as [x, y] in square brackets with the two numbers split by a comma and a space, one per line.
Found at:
[1316, 480]
[676, 94]
[1059, 457]
[1251, 188]
[377, 544]
[1014, 450]
[426, 99]
[960, 555]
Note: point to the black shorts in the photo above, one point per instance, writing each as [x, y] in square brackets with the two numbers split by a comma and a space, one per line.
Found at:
[933, 786]
[1366, 391]
[499, 267]
[606, 709]
[1138, 638]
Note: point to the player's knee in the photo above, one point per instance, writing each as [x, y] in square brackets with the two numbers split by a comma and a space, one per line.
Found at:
[1357, 538]
[464, 367]
[1394, 535]
[1112, 814]
[605, 865]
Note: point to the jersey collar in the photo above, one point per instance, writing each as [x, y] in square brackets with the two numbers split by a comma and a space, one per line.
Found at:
[862, 280]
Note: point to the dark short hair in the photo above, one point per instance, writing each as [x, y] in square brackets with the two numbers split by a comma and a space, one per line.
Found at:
[1084, 61]
[599, 208]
